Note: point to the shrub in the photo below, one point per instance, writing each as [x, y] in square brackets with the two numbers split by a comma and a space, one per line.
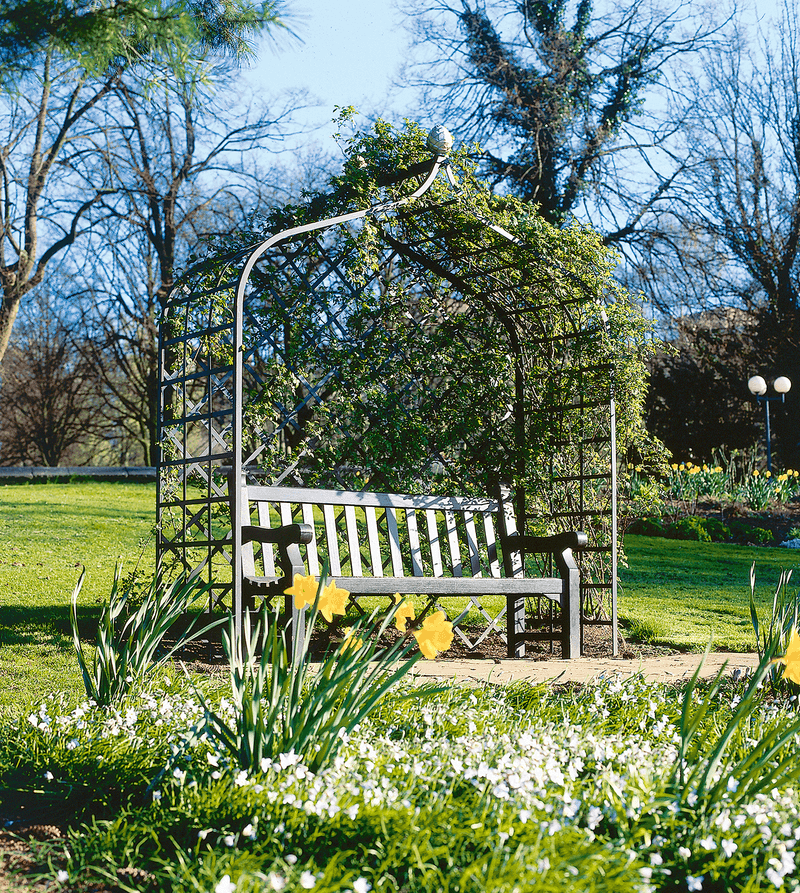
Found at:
[744, 532]
[689, 529]
[646, 527]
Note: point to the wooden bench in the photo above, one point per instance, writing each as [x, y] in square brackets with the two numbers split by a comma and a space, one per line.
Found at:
[433, 546]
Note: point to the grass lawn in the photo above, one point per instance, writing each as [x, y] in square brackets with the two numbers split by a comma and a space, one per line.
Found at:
[682, 593]
[47, 532]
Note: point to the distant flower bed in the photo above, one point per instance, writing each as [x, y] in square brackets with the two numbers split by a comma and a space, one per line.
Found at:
[704, 530]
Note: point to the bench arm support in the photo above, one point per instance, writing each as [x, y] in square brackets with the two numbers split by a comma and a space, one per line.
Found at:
[288, 539]
[560, 546]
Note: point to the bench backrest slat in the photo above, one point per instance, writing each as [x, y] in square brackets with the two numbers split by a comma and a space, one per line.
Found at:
[433, 539]
[334, 559]
[453, 544]
[395, 549]
[312, 554]
[516, 568]
[472, 544]
[491, 545]
[353, 545]
[413, 541]
[264, 520]
[375, 560]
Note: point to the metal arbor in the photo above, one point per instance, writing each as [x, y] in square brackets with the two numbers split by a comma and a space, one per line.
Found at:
[411, 345]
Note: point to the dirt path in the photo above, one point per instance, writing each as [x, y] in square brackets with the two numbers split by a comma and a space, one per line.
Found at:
[666, 668]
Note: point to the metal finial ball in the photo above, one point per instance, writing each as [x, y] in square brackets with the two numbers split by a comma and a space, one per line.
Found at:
[440, 140]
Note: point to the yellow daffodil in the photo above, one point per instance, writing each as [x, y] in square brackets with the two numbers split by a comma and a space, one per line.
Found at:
[404, 613]
[755, 473]
[674, 466]
[304, 590]
[791, 660]
[768, 474]
[332, 601]
[436, 635]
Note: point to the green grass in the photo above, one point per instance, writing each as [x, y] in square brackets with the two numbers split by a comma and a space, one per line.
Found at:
[684, 594]
[47, 531]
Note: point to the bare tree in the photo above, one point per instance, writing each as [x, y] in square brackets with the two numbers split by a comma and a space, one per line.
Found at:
[570, 109]
[180, 161]
[49, 392]
[61, 73]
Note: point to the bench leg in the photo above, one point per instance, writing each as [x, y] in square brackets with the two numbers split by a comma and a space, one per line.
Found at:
[571, 614]
[515, 626]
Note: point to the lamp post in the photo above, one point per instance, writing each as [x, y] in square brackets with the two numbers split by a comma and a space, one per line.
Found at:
[758, 388]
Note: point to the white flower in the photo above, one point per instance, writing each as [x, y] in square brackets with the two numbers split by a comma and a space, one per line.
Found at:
[225, 885]
[156, 796]
[241, 778]
[729, 848]
[62, 876]
[684, 852]
[656, 859]
[307, 880]
[276, 881]
[249, 831]
[733, 784]
[48, 776]
[362, 885]
[707, 843]
[695, 883]
[229, 840]
[291, 859]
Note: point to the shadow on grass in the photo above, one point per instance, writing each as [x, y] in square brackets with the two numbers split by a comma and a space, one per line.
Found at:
[26, 625]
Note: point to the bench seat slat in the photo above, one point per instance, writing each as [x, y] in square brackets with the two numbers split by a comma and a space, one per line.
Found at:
[447, 586]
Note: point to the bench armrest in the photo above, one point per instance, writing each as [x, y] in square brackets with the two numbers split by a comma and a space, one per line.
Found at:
[572, 539]
[282, 536]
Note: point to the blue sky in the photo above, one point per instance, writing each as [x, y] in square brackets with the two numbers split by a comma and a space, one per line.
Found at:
[349, 54]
